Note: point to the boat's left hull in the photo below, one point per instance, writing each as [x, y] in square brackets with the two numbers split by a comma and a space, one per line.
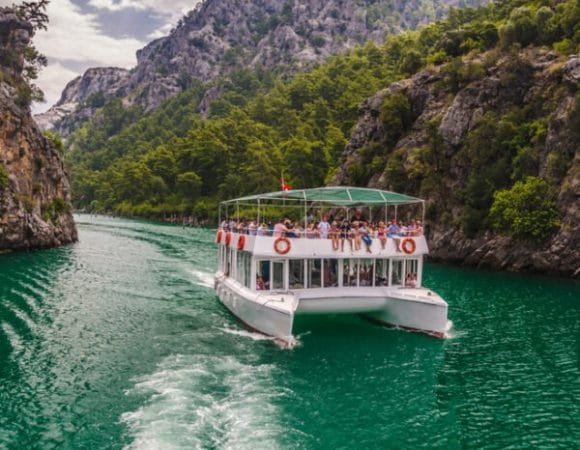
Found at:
[255, 310]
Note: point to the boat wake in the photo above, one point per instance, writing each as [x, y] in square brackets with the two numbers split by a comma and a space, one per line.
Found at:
[203, 279]
[203, 401]
[256, 336]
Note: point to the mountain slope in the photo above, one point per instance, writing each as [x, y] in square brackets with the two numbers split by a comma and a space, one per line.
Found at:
[477, 113]
[221, 36]
[515, 122]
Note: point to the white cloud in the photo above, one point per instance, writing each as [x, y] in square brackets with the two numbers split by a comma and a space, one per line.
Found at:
[76, 36]
[170, 9]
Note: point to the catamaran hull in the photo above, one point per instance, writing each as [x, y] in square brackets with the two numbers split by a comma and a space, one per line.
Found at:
[254, 310]
[416, 316]
[273, 313]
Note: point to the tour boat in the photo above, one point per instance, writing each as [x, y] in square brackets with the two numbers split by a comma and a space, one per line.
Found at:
[268, 278]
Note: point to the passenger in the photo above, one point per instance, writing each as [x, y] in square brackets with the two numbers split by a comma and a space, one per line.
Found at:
[252, 228]
[412, 228]
[280, 229]
[404, 230]
[393, 232]
[260, 285]
[312, 232]
[324, 227]
[382, 234]
[345, 234]
[263, 230]
[410, 281]
[358, 216]
[419, 229]
[357, 236]
[334, 235]
[365, 236]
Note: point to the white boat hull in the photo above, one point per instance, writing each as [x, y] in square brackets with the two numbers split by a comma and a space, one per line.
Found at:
[272, 313]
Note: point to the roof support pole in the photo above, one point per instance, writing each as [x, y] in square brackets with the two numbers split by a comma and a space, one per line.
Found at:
[238, 211]
[396, 213]
[258, 220]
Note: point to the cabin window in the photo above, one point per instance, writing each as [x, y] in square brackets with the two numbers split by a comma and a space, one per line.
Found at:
[239, 267]
[296, 273]
[247, 269]
[366, 272]
[314, 272]
[278, 275]
[262, 275]
[330, 269]
[382, 272]
[411, 272]
[397, 275]
[349, 272]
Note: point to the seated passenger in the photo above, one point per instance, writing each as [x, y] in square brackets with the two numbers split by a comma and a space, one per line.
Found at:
[365, 236]
[345, 233]
[382, 234]
[410, 281]
[334, 235]
[393, 231]
[260, 285]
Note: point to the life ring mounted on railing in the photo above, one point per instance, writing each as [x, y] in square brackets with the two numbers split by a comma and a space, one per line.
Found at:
[218, 237]
[282, 245]
[409, 246]
[228, 238]
[241, 242]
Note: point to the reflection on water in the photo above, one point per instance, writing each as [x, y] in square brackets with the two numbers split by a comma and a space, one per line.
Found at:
[119, 341]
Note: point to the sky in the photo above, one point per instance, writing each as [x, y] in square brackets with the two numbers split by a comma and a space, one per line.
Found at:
[98, 33]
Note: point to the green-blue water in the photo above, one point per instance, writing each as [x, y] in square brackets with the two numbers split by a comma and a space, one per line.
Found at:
[119, 341]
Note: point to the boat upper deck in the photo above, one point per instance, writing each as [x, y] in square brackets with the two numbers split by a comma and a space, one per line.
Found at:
[303, 247]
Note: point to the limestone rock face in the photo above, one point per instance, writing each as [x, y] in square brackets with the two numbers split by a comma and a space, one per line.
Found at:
[221, 36]
[82, 96]
[554, 79]
[35, 210]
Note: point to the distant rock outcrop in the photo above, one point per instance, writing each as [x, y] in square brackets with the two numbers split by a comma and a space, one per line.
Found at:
[35, 209]
[543, 82]
[220, 36]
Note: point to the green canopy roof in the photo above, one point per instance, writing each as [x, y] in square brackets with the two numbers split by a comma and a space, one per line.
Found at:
[336, 195]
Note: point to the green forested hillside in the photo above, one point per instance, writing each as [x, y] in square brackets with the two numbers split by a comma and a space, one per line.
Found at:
[174, 160]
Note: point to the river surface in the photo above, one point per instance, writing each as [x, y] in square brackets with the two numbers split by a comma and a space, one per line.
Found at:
[119, 342]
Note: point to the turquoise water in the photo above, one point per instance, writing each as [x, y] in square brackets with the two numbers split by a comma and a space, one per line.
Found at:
[119, 342]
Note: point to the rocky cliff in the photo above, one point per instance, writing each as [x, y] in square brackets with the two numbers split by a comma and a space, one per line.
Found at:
[517, 114]
[35, 210]
[221, 36]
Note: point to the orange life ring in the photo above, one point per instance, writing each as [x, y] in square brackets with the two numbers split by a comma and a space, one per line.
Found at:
[285, 249]
[408, 242]
[218, 237]
[241, 242]
[228, 238]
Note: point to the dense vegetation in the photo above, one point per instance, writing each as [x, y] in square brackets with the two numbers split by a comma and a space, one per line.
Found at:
[19, 67]
[175, 161]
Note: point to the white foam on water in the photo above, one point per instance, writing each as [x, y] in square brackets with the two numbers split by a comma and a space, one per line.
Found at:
[257, 336]
[13, 338]
[204, 279]
[253, 335]
[204, 401]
